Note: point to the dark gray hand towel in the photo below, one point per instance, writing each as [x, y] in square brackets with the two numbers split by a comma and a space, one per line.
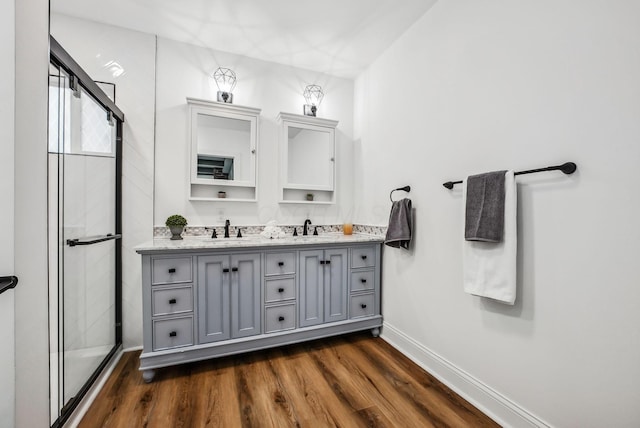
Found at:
[485, 207]
[399, 230]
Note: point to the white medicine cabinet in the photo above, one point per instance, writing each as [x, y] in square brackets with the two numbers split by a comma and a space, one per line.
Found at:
[224, 144]
[307, 159]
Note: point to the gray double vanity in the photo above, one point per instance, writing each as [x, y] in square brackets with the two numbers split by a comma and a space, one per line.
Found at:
[206, 298]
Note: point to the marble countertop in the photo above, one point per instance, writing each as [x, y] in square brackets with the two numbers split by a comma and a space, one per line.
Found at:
[249, 241]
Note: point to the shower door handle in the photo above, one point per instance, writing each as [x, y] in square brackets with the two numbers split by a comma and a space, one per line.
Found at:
[88, 240]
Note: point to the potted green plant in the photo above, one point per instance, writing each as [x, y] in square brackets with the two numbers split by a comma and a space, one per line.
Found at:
[176, 224]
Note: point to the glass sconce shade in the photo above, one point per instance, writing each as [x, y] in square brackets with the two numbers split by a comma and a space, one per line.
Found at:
[225, 80]
[313, 95]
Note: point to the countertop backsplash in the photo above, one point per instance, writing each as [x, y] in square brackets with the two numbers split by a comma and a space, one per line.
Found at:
[163, 231]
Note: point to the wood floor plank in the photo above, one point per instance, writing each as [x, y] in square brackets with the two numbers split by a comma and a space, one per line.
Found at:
[350, 381]
[315, 401]
[171, 403]
[215, 404]
[112, 407]
[418, 386]
[263, 401]
[416, 401]
[392, 405]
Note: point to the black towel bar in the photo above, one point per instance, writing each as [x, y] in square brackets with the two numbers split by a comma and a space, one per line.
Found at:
[405, 188]
[7, 283]
[567, 168]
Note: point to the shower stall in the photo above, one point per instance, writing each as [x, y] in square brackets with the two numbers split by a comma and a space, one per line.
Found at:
[84, 170]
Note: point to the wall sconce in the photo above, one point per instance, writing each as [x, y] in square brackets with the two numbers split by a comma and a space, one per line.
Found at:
[313, 94]
[225, 80]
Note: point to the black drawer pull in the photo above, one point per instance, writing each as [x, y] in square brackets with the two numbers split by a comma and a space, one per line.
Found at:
[322, 262]
[172, 301]
[225, 270]
[364, 257]
[280, 318]
[280, 290]
[173, 334]
[328, 262]
[235, 269]
[363, 305]
[172, 270]
[280, 264]
[362, 280]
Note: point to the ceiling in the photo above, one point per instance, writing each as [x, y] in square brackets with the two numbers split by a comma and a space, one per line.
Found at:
[336, 37]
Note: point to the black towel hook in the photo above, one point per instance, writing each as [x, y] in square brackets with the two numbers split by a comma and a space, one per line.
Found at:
[405, 188]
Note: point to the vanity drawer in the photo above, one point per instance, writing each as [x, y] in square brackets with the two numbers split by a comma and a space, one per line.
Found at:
[278, 318]
[170, 270]
[363, 280]
[362, 257]
[171, 300]
[280, 263]
[277, 290]
[172, 333]
[361, 305]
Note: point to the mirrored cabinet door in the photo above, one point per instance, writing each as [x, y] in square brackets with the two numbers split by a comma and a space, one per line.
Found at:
[308, 159]
[224, 140]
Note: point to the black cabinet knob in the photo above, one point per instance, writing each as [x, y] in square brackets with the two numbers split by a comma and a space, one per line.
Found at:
[280, 290]
[280, 264]
[322, 262]
[280, 318]
[362, 280]
[363, 305]
[225, 270]
[364, 257]
[328, 262]
[172, 270]
[235, 269]
[173, 334]
[172, 301]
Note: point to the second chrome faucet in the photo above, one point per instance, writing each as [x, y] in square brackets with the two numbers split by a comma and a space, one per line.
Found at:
[227, 223]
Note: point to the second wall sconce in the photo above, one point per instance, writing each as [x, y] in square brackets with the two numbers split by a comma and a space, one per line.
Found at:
[225, 80]
[313, 95]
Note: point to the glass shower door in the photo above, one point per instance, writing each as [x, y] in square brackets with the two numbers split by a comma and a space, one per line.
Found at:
[83, 224]
[89, 255]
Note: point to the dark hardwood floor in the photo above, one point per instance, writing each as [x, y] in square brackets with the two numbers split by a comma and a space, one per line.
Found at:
[349, 381]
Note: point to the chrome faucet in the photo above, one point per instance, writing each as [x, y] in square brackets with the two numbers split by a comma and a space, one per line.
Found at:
[226, 228]
[305, 231]
[213, 234]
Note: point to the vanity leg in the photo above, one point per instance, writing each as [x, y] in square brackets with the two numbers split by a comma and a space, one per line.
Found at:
[375, 332]
[148, 375]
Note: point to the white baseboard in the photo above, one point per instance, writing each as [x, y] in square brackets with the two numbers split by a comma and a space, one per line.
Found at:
[91, 395]
[493, 404]
[133, 348]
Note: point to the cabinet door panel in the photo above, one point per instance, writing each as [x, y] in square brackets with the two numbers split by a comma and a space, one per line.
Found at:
[335, 285]
[213, 299]
[245, 295]
[311, 287]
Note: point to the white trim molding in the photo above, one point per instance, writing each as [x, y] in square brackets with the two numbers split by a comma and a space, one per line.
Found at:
[492, 403]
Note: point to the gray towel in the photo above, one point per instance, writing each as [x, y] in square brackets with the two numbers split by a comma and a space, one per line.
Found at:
[399, 230]
[485, 207]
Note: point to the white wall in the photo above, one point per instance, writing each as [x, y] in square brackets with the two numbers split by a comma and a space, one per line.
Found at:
[95, 47]
[30, 231]
[489, 85]
[183, 71]
[7, 98]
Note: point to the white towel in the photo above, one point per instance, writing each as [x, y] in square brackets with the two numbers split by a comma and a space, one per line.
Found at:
[489, 269]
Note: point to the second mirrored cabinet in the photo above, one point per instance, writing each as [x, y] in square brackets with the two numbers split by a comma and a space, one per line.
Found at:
[307, 159]
[224, 140]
